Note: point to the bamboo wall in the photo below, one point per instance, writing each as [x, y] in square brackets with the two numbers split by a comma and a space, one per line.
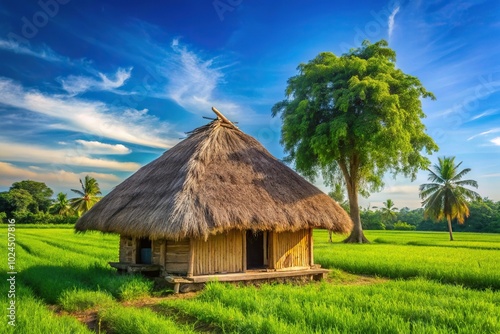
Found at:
[127, 249]
[290, 249]
[221, 253]
[177, 256]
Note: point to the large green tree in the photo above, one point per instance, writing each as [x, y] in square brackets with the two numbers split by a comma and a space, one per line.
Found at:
[88, 196]
[357, 116]
[38, 190]
[446, 195]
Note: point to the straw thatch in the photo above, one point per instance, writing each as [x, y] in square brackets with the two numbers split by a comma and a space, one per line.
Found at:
[215, 180]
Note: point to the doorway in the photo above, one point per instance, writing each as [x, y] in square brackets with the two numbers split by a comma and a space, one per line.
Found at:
[143, 251]
[256, 249]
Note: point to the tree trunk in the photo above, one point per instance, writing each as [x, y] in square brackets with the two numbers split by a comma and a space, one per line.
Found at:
[357, 235]
[449, 228]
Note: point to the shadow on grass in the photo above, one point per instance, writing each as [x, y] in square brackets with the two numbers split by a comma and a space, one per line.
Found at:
[49, 282]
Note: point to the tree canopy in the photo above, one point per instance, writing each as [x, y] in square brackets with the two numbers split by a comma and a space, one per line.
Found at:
[357, 117]
[38, 190]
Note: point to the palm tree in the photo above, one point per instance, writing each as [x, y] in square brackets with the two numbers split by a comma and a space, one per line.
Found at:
[446, 197]
[61, 206]
[88, 195]
[388, 210]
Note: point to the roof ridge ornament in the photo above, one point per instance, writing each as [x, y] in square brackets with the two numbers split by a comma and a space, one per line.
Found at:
[224, 120]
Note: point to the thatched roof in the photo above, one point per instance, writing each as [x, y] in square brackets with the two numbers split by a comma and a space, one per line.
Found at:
[217, 179]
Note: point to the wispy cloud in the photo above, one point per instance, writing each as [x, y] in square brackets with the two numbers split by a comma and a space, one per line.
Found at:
[74, 84]
[192, 81]
[95, 147]
[484, 114]
[44, 52]
[495, 130]
[496, 141]
[17, 152]
[91, 117]
[390, 22]
[60, 178]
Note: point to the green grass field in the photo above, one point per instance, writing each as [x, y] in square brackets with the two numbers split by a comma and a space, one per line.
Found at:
[403, 282]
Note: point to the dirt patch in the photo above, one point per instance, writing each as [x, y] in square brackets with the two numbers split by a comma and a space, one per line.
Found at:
[339, 277]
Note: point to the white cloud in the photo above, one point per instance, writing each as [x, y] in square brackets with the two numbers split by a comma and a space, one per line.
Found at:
[496, 141]
[95, 147]
[193, 81]
[486, 113]
[390, 22]
[494, 130]
[10, 151]
[74, 84]
[91, 117]
[44, 53]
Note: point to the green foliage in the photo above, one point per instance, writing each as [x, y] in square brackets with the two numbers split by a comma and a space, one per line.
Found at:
[135, 288]
[88, 195]
[356, 115]
[61, 206]
[25, 217]
[372, 220]
[414, 306]
[398, 254]
[71, 270]
[34, 317]
[404, 226]
[446, 195]
[130, 320]
[81, 300]
[39, 191]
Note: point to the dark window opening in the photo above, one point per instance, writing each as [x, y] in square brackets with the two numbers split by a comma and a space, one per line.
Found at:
[256, 246]
[143, 251]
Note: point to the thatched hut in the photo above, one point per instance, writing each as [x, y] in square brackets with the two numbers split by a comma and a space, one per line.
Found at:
[217, 203]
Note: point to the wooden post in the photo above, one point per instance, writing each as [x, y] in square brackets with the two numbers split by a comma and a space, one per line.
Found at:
[244, 251]
[274, 248]
[224, 118]
[266, 257]
[134, 250]
[191, 258]
[311, 251]
[162, 253]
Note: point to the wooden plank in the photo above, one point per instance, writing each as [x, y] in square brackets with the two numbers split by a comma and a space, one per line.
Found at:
[248, 276]
[191, 259]
[174, 257]
[244, 251]
[311, 248]
[174, 267]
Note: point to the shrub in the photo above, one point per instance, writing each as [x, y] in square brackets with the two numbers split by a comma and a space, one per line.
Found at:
[80, 300]
[403, 226]
[136, 288]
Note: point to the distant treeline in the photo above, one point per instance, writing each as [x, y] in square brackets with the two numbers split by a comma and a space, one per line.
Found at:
[484, 217]
[31, 202]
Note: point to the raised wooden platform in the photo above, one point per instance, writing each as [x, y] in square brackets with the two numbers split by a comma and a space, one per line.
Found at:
[185, 284]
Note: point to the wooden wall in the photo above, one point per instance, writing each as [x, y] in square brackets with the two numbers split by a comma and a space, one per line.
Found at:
[177, 256]
[221, 253]
[290, 249]
[127, 249]
[158, 252]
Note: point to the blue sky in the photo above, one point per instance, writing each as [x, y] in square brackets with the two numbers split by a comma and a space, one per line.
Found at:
[104, 87]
